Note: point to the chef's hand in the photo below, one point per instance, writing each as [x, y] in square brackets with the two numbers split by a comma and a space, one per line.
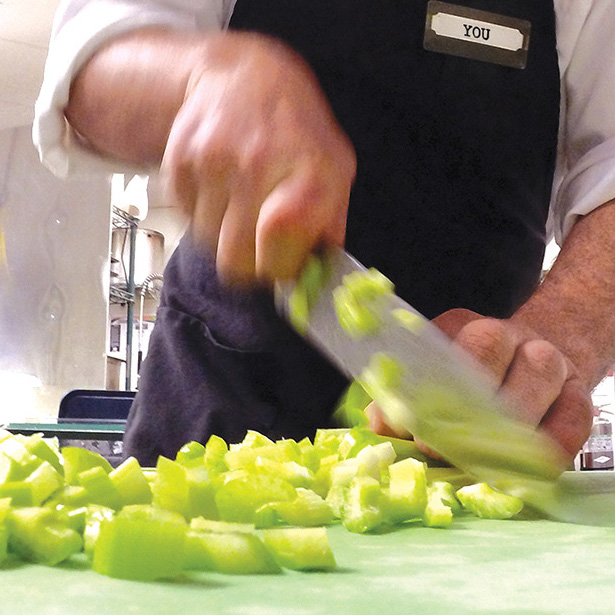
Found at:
[531, 371]
[257, 160]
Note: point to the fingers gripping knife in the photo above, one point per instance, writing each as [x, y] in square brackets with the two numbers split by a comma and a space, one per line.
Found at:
[445, 399]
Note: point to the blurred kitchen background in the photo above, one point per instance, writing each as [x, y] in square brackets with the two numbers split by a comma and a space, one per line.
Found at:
[79, 259]
[65, 250]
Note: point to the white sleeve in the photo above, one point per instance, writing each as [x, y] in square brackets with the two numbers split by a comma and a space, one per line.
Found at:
[80, 27]
[585, 174]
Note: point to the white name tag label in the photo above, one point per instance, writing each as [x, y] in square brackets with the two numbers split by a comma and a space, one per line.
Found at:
[478, 35]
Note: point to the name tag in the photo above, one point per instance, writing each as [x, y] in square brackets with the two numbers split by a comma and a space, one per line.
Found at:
[478, 35]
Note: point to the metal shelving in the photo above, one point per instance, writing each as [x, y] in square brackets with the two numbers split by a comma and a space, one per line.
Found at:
[125, 294]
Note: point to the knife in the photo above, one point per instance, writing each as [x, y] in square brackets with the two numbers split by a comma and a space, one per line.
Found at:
[444, 398]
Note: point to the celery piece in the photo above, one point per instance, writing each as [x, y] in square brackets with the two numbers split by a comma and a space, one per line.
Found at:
[191, 454]
[5, 507]
[409, 320]
[300, 548]
[253, 439]
[41, 535]
[313, 277]
[44, 481]
[142, 543]
[77, 460]
[43, 448]
[215, 450]
[296, 474]
[407, 492]
[220, 527]
[170, 488]
[16, 461]
[362, 510]
[69, 495]
[437, 513]
[244, 457]
[228, 553]
[446, 492]
[239, 498]
[485, 502]
[94, 516]
[100, 488]
[4, 539]
[309, 455]
[322, 477]
[358, 301]
[202, 487]
[130, 483]
[307, 510]
[20, 493]
[350, 410]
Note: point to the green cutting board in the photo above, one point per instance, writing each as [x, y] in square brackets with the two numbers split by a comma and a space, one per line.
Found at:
[476, 567]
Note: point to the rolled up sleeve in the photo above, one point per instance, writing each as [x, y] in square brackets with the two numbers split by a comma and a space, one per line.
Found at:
[585, 175]
[80, 28]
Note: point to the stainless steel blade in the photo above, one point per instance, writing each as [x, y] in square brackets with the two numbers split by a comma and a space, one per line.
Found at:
[446, 400]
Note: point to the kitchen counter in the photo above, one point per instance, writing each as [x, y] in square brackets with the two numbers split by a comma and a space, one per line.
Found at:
[476, 567]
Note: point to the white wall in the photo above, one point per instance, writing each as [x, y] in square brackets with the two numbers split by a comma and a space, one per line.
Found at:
[54, 287]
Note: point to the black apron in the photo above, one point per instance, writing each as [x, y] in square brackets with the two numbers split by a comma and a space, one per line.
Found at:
[455, 166]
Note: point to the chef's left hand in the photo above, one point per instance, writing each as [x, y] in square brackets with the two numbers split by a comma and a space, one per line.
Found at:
[531, 371]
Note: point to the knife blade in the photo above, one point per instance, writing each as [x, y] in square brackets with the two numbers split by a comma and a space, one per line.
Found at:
[444, 398]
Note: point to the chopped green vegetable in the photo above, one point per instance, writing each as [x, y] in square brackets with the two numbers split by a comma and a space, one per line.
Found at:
[410, 320]
[313, 277]
[41, 535]
[229, 553]
[130, 483]
[485, 502]
[362, 509]
[407, 492]
[99, 487]
[300, 548]
[141, 543]
[358, 301]
[77, 460]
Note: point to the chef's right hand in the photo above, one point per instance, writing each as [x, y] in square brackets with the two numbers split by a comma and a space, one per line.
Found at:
[257, 160]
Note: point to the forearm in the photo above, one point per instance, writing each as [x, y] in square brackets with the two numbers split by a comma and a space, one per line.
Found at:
[574, 308]
[124, 100]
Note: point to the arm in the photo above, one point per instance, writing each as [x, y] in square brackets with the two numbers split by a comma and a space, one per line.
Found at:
[265, 181]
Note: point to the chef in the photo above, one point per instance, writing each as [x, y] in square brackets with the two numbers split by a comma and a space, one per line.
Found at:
[442, 143]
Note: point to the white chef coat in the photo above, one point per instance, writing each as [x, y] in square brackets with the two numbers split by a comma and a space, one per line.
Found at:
[585, 168]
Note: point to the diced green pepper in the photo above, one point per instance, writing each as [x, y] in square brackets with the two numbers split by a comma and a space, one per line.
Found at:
[313, 277]
[41, 535]
[142, 543]
[16, 461]
[487, 503]
[300, 548]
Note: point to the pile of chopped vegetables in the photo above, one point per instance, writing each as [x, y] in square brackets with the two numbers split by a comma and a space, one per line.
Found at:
[258, 506]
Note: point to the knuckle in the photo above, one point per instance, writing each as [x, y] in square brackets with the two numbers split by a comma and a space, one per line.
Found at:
[545, 360]
[488, 341]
